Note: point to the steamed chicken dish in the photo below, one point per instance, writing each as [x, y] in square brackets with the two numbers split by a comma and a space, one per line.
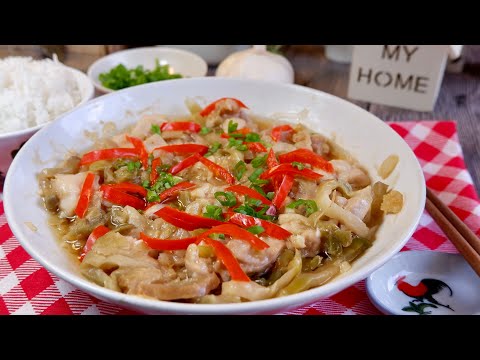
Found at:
[220, 206]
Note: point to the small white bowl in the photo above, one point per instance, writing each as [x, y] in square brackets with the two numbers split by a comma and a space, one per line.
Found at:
[182, 62]
[368, 138]
[425, 283]
[10, 143]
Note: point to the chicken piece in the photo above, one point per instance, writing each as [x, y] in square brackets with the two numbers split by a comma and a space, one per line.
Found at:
[253, 261]
[128, 262]
[350, 173]
[198, 207]
[303, 189]
[67, 188]
[195, 264]
[301, 138]
[114, 250]
[121, 141]
[320, 144]
[172, 290]
[177, 137]
[224, 109]
[204, 191]
[161, 229]
[137, 220]
[153, 142]
[143, 128]
[360, 203]
[305, 238]
[283, 147]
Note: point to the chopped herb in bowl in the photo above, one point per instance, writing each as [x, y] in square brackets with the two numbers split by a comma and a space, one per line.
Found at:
[120, 77]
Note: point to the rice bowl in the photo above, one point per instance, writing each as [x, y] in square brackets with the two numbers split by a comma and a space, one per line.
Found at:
[32, 94]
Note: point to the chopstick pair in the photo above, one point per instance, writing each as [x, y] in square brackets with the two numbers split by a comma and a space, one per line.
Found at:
[467, 243]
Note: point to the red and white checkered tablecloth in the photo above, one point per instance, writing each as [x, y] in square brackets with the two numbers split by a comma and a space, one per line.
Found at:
[27, 288]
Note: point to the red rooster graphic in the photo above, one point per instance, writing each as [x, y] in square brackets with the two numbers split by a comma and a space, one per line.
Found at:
[425, 290]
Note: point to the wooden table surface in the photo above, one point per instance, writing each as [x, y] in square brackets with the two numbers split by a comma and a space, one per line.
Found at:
[459, 97]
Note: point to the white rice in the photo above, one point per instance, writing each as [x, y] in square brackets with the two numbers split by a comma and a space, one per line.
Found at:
[33, 92]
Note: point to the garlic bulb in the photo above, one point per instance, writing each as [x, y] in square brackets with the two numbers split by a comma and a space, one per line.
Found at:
[256, 63]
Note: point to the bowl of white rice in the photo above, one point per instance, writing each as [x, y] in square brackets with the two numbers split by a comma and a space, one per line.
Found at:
[33, 93]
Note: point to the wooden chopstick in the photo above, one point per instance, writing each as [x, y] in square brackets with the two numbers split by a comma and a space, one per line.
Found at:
[459, 234]
[463, 229]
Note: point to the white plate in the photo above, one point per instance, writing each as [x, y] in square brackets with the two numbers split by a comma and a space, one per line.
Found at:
[360, 132]
[181, 61]
[425, 283]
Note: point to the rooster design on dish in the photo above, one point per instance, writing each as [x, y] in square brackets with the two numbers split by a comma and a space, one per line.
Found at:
[422, 293]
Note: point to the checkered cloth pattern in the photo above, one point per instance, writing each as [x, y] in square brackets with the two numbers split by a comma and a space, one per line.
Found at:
[27, 288]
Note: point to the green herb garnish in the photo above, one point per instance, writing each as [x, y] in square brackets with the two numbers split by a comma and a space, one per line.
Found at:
[226, 198]
[239, 170]
[232, 126]
[152, 196]
[249, 210]
[270, 195]
[120, 77]
[213, 149]
[258, 189]
[259, 161]
[252, 137]
[133, 165]
[217, 236]
[237, 144]
[254, 178]
[310, 206]
[256, 229]
[155, 129]
[205, 130]
[298, 165]
[214, 212]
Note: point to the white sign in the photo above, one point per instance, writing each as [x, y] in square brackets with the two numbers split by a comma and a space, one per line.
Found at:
[407, 76]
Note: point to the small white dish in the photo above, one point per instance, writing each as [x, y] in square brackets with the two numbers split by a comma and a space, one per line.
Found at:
[182, 62]
[425, 283]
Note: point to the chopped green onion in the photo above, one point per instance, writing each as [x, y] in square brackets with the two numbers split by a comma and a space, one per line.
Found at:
[252, 202]
[254, 178]
[217, 236]
[252, 137]
[133, 165]
[213, 149]
[155, 129]
[270, 195]
[310, 206]
[239, 170]
[152, 196]
[205, 130]
[214, 212]
[298, 165]
[256, 229]
[226, 198]
[259, 161]
[232, 126]
[258, 189]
